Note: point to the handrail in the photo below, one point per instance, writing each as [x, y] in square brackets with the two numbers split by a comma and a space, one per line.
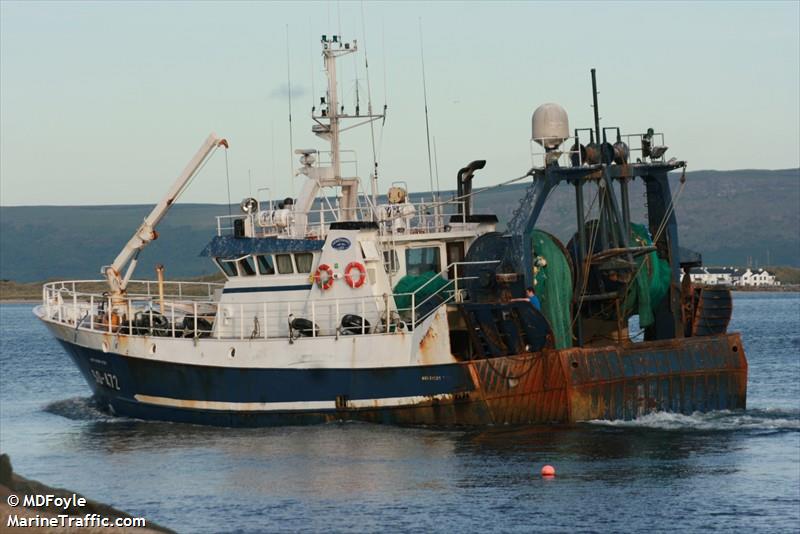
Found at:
[64, 303]
[67, 302]
[320, 219]
[150, 286]
[450, 286]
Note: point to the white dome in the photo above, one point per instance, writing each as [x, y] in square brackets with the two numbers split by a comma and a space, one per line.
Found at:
[550, 125]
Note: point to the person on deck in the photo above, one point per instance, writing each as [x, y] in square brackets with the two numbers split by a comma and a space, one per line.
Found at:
[530, 296]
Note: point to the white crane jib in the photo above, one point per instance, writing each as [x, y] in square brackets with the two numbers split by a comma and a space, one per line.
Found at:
[147, 231]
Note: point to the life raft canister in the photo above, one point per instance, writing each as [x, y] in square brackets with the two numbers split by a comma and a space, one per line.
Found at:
[325, 282]
[362, 274]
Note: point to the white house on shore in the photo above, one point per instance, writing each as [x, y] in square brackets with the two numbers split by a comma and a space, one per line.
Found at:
[732, 276]
[757, 278]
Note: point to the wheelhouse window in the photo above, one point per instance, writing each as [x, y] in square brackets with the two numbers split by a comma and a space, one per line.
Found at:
[265, 265]
[422, 260]
[228, 267]
[284, 262]
[304, 261]
[391, 263]
[246, 266]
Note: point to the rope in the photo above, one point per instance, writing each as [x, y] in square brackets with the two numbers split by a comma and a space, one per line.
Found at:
[661, 227]
[672, 203]
[587, 260]
[487, 188]
[466, 196]
[531, 360]
[197, 172]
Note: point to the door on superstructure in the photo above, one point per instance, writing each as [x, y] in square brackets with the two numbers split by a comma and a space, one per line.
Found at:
[455, 253]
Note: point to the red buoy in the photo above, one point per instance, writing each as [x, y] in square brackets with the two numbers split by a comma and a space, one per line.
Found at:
[548, 471]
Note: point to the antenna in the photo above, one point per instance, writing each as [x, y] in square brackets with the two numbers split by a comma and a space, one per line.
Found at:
[436, 163]
[311, 62]
[383, 51]
[385, 106]
[339, 16]
[374, 181]
[272, 137]
[289, 85]
[425, 96]
[358, 103]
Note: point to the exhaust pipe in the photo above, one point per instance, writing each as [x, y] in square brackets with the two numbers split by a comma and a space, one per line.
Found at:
[464, 186]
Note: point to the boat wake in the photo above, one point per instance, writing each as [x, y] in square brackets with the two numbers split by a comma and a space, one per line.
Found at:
[80, 409]
[760, 420]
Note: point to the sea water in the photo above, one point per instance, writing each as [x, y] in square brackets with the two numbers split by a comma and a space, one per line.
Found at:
[716, 471]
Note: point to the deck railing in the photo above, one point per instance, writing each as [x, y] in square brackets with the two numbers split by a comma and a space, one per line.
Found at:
[189, 309]
[569, 156]
[422, 217]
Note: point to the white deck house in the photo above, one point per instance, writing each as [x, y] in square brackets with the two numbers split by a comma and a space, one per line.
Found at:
[732, 276]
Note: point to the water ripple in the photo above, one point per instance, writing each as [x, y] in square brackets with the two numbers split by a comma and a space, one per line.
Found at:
[79, 409]
[770, 420]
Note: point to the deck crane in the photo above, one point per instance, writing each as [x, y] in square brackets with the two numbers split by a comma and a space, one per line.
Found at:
[146, 233]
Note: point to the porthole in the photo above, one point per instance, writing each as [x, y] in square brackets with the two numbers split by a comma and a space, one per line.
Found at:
[105, 346]
[574, 365]
[735, 348]
[231, 352]
[153, 348]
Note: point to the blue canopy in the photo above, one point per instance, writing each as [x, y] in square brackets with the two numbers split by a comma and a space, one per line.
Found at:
[234, 247]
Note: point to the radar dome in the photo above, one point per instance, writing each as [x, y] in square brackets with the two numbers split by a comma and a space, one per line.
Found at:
[550, 125]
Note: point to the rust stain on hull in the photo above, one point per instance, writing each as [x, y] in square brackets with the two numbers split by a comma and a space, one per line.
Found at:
[581, 384]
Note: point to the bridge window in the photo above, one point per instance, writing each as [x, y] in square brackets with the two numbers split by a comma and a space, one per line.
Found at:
[304, 261]
[246, 266]
[422, 260]
[284, 262]
[391, 263]
[228, 267]
[265, 265]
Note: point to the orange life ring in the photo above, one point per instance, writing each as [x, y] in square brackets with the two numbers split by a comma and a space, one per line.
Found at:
[328, 281]
[362, 274]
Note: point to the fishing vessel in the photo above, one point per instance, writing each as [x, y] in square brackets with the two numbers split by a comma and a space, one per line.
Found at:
[345, 305]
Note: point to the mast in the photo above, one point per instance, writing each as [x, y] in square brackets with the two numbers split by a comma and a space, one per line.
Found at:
[331, 51]
[330, 54]
[328, 127]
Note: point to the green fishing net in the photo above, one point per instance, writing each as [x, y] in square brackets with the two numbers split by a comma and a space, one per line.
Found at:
[553, 285]
[652, 280]
[413, 283]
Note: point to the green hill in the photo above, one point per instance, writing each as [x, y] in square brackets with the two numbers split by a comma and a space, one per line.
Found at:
[727, 215]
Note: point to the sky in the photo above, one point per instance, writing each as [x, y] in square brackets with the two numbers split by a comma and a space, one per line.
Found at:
[105, 102]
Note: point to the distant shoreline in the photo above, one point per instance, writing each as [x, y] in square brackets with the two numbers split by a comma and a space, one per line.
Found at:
[12, 292]
[795, 288]
[789, 288]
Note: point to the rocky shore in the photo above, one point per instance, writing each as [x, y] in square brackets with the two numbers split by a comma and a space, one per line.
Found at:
[13, 484]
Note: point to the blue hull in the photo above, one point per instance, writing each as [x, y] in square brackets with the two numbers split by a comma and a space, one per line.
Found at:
[116, 380]
[555, 386]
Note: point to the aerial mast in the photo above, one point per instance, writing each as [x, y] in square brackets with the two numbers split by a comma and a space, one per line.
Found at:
[328, 127]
